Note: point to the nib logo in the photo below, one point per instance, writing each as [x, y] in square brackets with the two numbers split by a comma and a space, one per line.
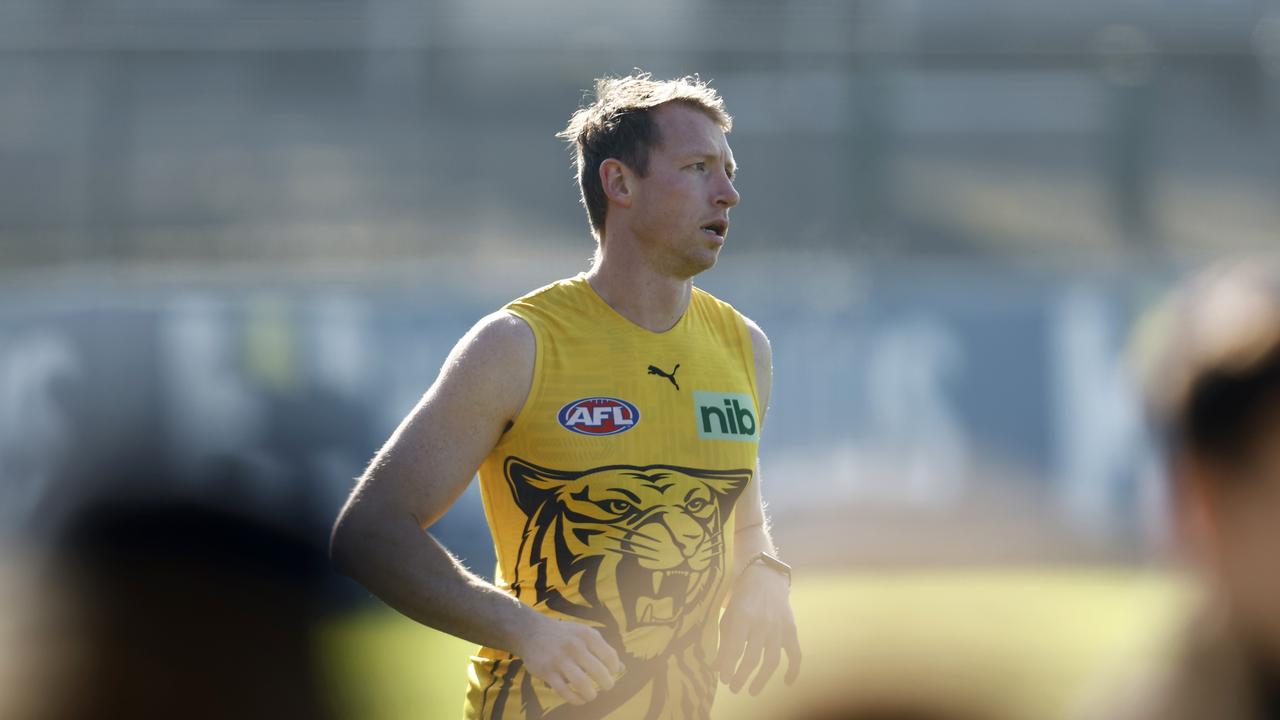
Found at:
[725, 416]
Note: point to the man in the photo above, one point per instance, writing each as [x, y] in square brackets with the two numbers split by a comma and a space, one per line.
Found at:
[614, 418]
[1215, 391]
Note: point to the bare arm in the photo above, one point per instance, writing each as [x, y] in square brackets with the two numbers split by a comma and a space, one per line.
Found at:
[751, 536]
[379, 537]
[757, 625]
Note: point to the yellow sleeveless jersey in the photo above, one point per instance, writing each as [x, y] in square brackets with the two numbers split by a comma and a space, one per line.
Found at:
[611, 497]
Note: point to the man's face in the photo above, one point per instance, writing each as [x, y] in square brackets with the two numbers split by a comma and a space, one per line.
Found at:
[681, 208]
[1243, 547]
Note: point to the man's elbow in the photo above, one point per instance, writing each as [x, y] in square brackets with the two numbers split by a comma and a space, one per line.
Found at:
[365, 531]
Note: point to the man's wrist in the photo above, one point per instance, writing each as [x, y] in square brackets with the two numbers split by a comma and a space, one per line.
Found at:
[768, 563]
[522, 624]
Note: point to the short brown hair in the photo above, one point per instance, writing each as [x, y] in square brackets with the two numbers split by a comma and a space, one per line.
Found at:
[1214, 382]
[619, 124]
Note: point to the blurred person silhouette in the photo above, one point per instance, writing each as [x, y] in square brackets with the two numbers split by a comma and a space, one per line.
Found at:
[175, 607]
[1212, 376]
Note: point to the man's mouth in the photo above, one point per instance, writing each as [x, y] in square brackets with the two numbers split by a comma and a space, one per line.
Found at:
[716, 228]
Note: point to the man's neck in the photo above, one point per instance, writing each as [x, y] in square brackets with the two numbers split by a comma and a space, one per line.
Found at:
[637, 291]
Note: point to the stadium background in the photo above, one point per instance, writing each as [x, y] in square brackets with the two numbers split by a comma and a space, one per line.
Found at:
[237, 239]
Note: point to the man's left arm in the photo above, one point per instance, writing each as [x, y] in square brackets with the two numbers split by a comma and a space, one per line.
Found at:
[757, 625]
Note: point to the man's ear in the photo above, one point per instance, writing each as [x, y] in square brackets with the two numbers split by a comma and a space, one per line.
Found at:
[618, 182]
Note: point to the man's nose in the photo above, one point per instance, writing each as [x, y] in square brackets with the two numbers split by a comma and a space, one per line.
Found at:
[726, 194]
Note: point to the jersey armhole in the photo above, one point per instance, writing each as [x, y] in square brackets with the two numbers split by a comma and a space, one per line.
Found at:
[535, 382]
[748, 348]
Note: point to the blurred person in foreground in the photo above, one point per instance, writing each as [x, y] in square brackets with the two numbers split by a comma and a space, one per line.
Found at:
[1214, 390]
[169, 607]
[614, 419]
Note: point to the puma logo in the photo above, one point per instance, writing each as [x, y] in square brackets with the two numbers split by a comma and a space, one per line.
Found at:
[655, 370]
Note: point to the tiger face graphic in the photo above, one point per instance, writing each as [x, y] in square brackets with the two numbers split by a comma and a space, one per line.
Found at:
[636, 551]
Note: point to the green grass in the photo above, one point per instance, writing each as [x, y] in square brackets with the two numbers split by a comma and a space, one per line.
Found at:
[1016, 643]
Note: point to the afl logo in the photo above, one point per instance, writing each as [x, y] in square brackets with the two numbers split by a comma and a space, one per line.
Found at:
[599, 416]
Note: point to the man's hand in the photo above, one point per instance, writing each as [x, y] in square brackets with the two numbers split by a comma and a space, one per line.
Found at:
[572, 658]
[757, 626]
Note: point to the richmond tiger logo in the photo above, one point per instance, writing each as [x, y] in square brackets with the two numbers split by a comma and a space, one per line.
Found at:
[635, 551]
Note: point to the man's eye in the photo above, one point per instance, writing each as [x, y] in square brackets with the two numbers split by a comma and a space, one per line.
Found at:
[699, 166]
[617, 507]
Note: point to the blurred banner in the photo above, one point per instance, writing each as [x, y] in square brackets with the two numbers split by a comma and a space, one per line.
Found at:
[920, 412]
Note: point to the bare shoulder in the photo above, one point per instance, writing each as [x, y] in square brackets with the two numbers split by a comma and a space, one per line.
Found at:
[762, 353]
[504, 330]
[491, 367]
[760, 345]
[500, 338]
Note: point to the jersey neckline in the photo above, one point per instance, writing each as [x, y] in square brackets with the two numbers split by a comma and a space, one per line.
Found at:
[619, 317]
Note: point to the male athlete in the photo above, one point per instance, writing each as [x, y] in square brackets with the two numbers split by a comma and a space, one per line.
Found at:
[614, 419]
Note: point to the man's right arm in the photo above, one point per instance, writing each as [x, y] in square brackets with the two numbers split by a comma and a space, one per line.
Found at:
[379, 538]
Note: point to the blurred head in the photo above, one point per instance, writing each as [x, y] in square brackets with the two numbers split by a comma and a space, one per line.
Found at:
[653, 164]
[181, 609]
[1215, 391]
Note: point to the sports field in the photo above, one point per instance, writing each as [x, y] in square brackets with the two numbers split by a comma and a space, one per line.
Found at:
[1010, 643]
